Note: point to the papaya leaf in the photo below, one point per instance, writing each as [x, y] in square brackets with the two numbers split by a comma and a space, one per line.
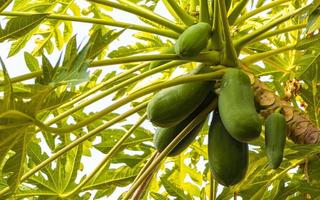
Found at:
[14, 117]
[192, 189]
[45, 38]
[38, 96]
[19, 26]
[151, 43]
[93, 81]
[62, 177]
[259, 3]
[3, 183]
[19, 44]
[157, 196]
[129, 160]
[49, 47]
[32, 62]
[32, 5]
[306, 43]
[313, 172]
[311, 96]
[71, 168]
[75, 71]
[8, 102]
[47, 72]
[111, 178]
[124, 91]
[68, 30]
[133, 155]
[104, 192]
[173, 189]
[313, 21]
[70, 50]
[7, 141]
[109, 138]
[154, 39]
[37, 156]
[308, 71]
[45, 42]
[15, 165]
[55, 99]
[132, 49]
[4, 4]
[58, 38]
[54, 31]
[100, 42]
[277, 186]
[67, 169]
[42, 193]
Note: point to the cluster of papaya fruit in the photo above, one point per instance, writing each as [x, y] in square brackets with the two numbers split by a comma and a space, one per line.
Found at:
[235, 121]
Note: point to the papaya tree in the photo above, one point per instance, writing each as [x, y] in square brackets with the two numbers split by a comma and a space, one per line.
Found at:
[122, 99]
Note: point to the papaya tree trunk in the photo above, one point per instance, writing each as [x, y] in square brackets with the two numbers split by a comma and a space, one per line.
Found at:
[300, 129]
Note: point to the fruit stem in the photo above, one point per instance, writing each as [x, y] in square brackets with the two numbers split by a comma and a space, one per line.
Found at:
[217, 40]
[204, 11]
[230, 57]
[213, 188]
[183, 16]
[148, 163]
[140, 190]
[172, 144]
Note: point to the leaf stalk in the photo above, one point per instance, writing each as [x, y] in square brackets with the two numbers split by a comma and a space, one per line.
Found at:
[172, 144]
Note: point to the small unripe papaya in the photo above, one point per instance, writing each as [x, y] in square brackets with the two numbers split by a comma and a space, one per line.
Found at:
[193, 40]
[275, 137]
[164, 136]
[228, 158]
[237, 108]
[170, 106]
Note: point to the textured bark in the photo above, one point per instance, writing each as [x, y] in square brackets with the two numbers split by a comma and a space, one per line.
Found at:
[300, 128]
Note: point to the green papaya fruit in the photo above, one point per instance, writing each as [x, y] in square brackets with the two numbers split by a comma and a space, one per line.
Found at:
[164, 136]
[170, 106]
[168, 50]
[237, 108]
[275, 138]
[193, 40]
[228, 158]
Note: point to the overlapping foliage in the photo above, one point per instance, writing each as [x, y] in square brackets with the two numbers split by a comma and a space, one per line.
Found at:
[47, 133]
